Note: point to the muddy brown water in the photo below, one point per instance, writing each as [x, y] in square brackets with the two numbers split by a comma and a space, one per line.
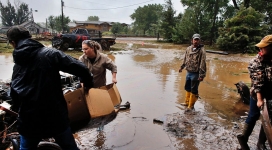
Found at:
[148, 78]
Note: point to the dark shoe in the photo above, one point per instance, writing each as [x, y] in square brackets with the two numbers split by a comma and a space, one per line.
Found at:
[243, 142]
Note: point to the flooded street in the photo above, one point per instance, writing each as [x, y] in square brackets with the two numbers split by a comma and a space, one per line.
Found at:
[148, 78]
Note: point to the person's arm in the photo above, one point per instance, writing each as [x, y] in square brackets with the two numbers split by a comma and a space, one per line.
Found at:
[260, 100]
[114, 80]
[202, 66]
[73, 66]
[109, 64]
[184, 60]
[257, 74]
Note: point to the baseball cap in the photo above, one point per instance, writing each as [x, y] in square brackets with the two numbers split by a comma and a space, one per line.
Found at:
[16, 33]
[196, 36]
[267, 40]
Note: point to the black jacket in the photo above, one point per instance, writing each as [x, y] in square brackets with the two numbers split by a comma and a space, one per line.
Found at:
[36, 88]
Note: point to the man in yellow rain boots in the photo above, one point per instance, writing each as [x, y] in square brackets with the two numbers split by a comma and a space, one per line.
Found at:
[187, 99]
[195, 63]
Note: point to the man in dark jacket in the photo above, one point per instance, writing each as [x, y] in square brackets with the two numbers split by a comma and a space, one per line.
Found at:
[36, 90]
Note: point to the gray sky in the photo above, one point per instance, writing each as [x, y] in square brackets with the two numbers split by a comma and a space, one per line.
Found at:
[106, 10]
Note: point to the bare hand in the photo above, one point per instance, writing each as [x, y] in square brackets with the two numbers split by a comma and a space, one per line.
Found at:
[180, 70]
[200, 79]
[114, 81]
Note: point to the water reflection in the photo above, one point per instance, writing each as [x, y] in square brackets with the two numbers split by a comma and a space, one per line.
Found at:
[148, 78]
[6, 66]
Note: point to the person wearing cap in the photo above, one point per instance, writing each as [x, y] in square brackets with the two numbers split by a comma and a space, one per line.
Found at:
[260, 72]
[36, 90]
[195, 64]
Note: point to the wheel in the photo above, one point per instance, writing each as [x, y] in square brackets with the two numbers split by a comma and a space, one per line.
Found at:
[48, 146]
[105, 45]
[64, 46]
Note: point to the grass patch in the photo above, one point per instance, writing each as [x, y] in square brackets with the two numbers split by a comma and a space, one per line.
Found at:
[116, 49]
[4, 48]
[215, 58]
[236, 74]
[118, 46]
[46, 43]
[251, 54]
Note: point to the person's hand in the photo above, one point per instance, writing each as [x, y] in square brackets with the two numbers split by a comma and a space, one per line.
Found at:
[86, 90]
[200, 79]
[114, 80]
[180, 70]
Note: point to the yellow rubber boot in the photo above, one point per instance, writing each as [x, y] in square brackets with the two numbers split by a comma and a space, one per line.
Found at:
[187, 98]
[193, 99]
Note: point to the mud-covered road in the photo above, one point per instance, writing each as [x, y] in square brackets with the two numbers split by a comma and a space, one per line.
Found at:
[148, 78]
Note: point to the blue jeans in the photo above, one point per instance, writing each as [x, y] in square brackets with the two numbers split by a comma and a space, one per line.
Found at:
[65, 140]
[254, 112]
[192, 82]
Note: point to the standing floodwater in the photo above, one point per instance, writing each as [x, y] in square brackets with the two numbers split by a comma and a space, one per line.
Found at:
[6, 66]
[148, 78]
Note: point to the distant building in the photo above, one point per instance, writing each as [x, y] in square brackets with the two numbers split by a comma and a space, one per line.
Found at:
[92, 26]
[34, 28]
[4, 29]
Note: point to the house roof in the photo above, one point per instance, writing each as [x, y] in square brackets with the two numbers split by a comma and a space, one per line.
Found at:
[93, 22]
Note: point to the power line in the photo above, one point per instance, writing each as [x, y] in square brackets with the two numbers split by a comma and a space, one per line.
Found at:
[111, 8]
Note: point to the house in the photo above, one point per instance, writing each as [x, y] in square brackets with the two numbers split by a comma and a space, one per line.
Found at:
[34, 28]
[92, 26]
[4, 29]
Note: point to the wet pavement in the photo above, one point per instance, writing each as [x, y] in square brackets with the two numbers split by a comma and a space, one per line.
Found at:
[148, 78]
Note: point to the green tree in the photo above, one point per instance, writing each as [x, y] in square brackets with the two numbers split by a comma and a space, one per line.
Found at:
[22, 13]
[264, 7]
[51, 22]
[116, 28]
[208, 16]
[185, 27]
[11, 15]
[58, 23]
[93, 18]
[145, 16]
[242, 32]
[168, 20]
[7, 14]
[238, 3]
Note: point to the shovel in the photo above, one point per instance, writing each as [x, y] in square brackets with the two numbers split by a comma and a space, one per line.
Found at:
[266, 124]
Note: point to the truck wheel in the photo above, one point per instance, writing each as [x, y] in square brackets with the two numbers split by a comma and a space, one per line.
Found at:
[105, 45]
[64, 46]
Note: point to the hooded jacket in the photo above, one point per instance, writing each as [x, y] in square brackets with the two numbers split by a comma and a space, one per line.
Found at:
[36, 88]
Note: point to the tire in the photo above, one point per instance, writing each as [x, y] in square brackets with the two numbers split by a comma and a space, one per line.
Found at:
[64, 46]
[48, 146]
[105, 45]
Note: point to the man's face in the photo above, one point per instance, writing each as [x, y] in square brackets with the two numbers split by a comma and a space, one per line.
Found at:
[266, 51]
[195, 42]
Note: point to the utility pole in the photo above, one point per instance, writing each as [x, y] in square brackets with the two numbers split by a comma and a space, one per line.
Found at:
[62, 26]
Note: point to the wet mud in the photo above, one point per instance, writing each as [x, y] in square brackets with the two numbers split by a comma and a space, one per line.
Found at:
[148, 78]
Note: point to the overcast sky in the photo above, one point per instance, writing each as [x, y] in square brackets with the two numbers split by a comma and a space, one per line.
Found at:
[106, 10]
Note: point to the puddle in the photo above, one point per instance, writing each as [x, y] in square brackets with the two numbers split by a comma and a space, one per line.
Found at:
[148, 78]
